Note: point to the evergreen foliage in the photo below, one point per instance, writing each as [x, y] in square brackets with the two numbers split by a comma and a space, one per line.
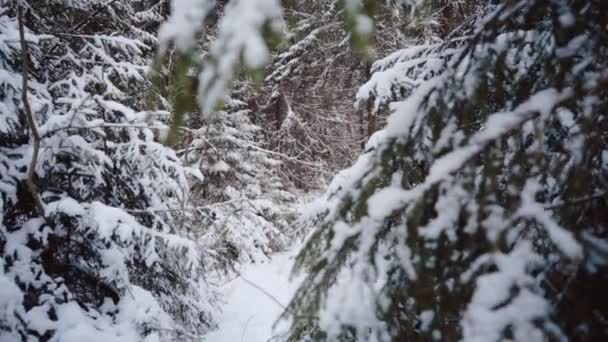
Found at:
[478, 213]
[476, 210]
[89, 245]
[246, 209]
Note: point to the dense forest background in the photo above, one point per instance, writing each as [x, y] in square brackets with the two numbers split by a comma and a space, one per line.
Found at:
[444, 163]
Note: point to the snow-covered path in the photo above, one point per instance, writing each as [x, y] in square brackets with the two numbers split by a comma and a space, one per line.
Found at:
[249, 313]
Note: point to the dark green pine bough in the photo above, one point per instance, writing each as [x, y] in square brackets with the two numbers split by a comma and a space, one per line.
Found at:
[480, 212]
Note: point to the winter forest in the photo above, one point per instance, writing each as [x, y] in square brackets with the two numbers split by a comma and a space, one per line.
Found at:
[299, 171]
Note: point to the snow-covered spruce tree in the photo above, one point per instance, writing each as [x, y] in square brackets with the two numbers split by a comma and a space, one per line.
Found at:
[479, 212]
[245, 207]
[90, 246]
[240, 204]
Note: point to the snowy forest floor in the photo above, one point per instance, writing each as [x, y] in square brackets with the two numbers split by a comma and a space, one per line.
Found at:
[251, 307]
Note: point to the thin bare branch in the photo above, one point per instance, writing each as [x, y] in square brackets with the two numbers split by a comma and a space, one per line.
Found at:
[31, 171]
[135, 211]
[576, 201]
